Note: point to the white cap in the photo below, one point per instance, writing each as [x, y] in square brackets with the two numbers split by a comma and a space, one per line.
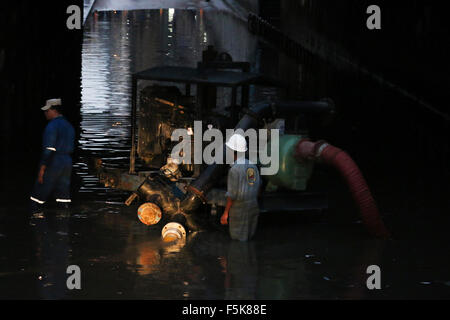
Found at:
[237, 143]
[50, 103]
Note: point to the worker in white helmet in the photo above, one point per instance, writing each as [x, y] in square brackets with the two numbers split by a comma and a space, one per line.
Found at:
[243, 184]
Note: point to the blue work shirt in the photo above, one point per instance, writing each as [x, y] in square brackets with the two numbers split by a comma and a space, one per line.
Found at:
[58, 142]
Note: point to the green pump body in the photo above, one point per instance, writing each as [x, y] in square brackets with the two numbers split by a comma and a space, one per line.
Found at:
[292, 174]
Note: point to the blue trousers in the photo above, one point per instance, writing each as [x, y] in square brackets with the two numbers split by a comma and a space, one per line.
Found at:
[57, 178]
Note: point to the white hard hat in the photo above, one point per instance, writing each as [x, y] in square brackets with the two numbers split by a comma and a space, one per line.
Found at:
[237, 143]
[50, 103]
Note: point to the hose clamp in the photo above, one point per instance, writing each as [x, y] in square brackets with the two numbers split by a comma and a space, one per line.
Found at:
[320, 146]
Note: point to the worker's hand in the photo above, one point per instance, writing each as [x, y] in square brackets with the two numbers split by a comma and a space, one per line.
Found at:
[224, 218]
[41, 175]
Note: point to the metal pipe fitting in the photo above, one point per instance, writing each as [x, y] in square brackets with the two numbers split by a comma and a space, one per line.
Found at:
[173, 231]
[149, 214]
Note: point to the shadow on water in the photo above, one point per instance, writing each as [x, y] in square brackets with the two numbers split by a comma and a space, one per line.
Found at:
[120, 258]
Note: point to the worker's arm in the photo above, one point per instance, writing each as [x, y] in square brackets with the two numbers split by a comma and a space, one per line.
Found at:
[232, 190]
[224, 218]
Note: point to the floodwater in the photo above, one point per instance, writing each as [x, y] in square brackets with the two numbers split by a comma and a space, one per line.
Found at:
[315, 256]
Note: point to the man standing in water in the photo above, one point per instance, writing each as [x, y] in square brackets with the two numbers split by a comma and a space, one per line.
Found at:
[243, 184]
[55, 167]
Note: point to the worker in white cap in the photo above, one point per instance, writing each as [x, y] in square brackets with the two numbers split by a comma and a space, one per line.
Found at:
[55, 167]
[243, 184]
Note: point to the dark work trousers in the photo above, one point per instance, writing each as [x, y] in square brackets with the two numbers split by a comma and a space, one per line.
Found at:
[57, 178]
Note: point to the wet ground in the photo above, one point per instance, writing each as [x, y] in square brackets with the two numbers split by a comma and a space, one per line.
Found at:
[291, 257]
[122, 259]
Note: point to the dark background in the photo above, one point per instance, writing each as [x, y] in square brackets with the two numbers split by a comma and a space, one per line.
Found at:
[386, 119]
[389, 87]
[40, 59]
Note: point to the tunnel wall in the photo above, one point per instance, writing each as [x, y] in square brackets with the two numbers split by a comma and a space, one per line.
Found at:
[40, 58]
[389, 87]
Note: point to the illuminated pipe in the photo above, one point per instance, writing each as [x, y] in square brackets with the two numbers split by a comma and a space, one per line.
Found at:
[149, 214]
[173, 231]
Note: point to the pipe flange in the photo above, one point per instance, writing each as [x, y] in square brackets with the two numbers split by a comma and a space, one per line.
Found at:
[173, 231]
[149, 214]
